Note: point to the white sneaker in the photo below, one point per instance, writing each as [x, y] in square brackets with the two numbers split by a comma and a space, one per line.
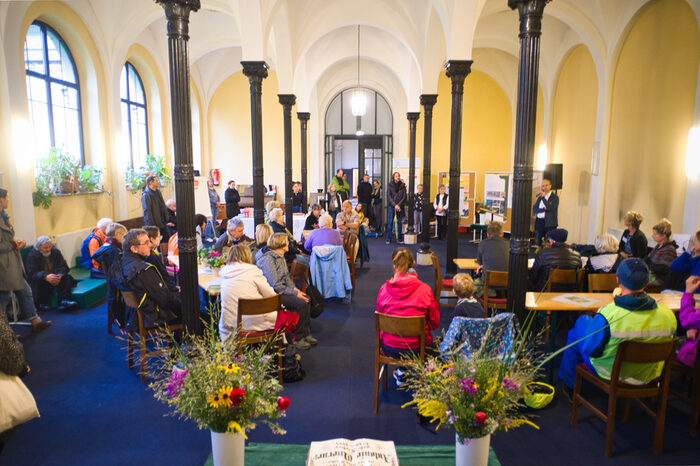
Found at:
[399, 377]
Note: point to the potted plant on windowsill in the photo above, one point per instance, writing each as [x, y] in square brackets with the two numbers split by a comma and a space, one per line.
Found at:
[155, 165]
[60, 173]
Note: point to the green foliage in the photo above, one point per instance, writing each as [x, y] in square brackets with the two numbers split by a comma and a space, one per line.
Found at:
[155, 165]
[59, 173]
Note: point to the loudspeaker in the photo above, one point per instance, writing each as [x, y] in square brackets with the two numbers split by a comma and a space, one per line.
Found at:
[553, 172]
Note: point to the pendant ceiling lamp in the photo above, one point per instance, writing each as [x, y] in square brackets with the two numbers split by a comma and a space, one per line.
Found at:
[359, 99]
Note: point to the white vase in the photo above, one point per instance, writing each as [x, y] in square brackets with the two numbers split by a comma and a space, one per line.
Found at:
[227, 449]
[473, 451]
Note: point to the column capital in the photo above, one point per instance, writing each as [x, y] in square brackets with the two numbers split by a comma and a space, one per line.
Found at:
[287, 100]
[458, 70]
[255, 69]
[531, 12]
[413, 116]
[428, 100]
[303, 116]
[177, 13]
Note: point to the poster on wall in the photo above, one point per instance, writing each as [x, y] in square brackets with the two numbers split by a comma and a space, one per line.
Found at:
[497, 188]
[201, 196]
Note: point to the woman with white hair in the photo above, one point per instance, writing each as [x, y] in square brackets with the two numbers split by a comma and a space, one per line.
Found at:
[295, 252]
[605, 258]
[324, 235]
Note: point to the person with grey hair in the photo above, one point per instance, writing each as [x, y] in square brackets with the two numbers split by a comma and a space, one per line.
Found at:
[12, 270]
[47, 271]
[296, 248]
[234, 235]
[154, 210]
[171, 205]
[605, 258]
[323, 235]
[91, 244]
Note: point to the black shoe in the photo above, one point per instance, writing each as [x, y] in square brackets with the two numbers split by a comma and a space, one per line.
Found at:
[66, 305]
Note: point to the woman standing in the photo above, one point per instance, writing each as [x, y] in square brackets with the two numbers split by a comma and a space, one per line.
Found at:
[633, 242]
[333, 201]
[214, 200]
[376, 197]
[232, 199]
[440, 205]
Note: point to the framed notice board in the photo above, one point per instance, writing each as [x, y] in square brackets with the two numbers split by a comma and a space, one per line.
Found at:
[467, 189]
[498, 196]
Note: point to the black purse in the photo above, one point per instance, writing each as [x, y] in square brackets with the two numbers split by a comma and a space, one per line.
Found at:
[315, 300]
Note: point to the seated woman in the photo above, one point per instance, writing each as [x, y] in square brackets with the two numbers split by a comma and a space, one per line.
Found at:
[268, 209]
[275, 270]
[633, 242]
[405, 295]
[605, 258]
[312, 219]
[360, 209]
[262, 233]
[296, 248]
[663, 254]
[324, 235]
[241, 279]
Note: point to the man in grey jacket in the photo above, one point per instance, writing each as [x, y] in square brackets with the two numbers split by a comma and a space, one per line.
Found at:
[154, 210]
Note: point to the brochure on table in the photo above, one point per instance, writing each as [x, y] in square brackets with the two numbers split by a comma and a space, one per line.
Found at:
[467, 188]
[498, 196]
[360, 452]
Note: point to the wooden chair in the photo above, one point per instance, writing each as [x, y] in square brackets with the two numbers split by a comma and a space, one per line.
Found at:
[256, 307]
[440, 284]
[692, 396]
[572, 277]
[494, 279]
[110, 312]
[146, 335]
[299, 273]
[413, 326]
[350, 245]
[601, 282]
[629, 352]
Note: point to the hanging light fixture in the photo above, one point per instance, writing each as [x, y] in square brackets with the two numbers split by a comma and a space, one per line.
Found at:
[359, 99]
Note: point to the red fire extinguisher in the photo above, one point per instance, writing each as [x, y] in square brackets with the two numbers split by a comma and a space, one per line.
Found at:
[215, 176]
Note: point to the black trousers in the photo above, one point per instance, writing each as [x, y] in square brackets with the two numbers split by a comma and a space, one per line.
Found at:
[541, 231]
[43, 290]
[441, 226]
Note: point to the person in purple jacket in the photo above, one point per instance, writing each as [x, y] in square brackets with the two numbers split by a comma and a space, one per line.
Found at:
[690, 320]
[323, 235]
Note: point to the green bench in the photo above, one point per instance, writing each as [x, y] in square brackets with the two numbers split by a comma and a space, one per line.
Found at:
[90, 291]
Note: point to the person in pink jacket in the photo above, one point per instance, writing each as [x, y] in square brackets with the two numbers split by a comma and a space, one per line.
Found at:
[690, 320]
[405, 295]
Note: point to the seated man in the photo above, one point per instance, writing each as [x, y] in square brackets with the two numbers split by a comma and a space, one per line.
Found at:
[492, 254]
[159, 305]
[92, 243]
[633, 315]
[323, 235]
[234, 235]
[348, 218]
[47, 269]
[155, 258]
[557, 255]
[106, 256]
[311, 222]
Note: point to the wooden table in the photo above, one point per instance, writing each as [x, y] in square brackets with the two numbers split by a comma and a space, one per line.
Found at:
[470, 264]
[537, 301]
[208, 280]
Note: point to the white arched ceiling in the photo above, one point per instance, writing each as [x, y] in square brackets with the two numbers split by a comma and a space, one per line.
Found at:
[213, 69]
[435, 53]
[341, 45]
[464, 18]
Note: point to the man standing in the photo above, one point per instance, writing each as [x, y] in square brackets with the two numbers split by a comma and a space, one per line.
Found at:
[154, 210]
[297, 198]
[545, 211]
[557, 255]
[418, 201]
[396, 198]
[47, 269]
[232, 198]
[364, 191]
[12, 270]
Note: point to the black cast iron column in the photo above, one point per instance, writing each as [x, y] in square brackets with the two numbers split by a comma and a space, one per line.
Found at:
[412, 119]
[303, 122]
[177, 13]
[427, 101]
[457, 71]
[256, 71]
[528, 70]
[287, 100]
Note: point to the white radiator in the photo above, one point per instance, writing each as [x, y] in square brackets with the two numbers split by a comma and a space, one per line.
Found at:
[69, 244]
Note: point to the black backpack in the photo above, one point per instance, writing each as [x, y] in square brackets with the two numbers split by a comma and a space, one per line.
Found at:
[315, 300]
[291, 369]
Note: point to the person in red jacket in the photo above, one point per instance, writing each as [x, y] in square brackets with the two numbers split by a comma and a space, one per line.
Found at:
[405, 295]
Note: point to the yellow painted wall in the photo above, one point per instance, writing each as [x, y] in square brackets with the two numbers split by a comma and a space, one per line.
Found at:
[573, 134]
[486, 129]
[230, 137]
[653, 101]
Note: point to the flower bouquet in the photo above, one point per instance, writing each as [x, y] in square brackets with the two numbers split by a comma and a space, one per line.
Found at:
[207, 381]
[210, 258]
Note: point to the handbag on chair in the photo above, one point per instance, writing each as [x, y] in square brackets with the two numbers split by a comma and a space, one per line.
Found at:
[17, 404]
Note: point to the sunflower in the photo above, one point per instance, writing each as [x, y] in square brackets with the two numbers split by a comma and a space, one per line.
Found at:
[214, 400]
[225, 396]
[229, 368]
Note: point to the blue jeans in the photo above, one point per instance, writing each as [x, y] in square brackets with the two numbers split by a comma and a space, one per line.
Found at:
[391, 224]
[296, 209]
[574, 355]
[27, 310]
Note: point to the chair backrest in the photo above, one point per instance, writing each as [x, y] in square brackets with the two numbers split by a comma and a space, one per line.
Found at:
[601, 282]
[565, 277]
[402, 326]
[641, 352]
[350, 244]
[253, 307]
[493, 278]
[163, 248]
[437, 283]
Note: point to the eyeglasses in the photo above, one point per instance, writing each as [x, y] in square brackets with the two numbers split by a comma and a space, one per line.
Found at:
[144, 244]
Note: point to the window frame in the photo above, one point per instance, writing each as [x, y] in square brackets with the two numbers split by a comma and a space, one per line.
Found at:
[129, 103]
[49, 80]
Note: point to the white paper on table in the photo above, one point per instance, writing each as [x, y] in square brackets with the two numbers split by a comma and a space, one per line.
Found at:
[576, 300]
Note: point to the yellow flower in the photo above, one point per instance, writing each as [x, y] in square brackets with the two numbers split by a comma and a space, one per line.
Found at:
[214, 400]
[234, 427]
[230, 367]
[435, 410]
[518, 423]
[223, 398]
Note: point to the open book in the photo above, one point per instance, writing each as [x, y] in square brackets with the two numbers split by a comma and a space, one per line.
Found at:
[344, 452]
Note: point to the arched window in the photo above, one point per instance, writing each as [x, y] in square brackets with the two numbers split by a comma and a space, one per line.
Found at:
[53, 92]
[134, 115]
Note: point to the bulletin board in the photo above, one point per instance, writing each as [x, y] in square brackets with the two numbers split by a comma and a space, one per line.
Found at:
[467, 189]
[498, 196]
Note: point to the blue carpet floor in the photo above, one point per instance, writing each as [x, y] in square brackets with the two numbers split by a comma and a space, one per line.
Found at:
[95, 411]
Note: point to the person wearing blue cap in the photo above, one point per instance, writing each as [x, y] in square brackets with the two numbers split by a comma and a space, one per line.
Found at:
[557, 255]
[633, 315]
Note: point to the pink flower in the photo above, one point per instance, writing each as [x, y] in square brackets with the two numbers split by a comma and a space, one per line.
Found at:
[468, 386]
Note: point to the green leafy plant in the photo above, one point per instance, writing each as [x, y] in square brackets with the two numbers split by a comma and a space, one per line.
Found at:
[60, 173]
[155, 165]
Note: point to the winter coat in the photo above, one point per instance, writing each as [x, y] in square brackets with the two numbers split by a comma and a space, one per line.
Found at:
[418, 200]
[154, 210]
[690, 319]
[11, 267]
[274, 267]
[38, 267]
[396, 194]
[241, 280]
[405, 295]
[338, 200]
[364, 193]
[343, 187]
[232, 199]
[12, 360]
[557, 256]
[550, 209]
[660, 259]
[311, 222]
[330, 272]
[376, 196]
[214, 198]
